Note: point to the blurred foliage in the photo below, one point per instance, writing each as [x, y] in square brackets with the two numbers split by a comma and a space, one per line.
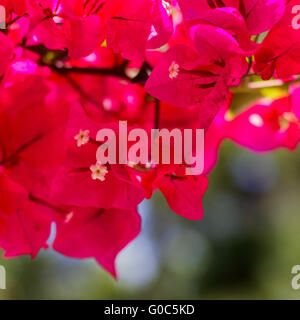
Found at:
[244, 248]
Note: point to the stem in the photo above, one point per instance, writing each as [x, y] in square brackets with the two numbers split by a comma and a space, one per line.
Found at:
[116, 72]
[257, 85]
[20, 149]
[269, 84]
[13, 21]
[46, 204]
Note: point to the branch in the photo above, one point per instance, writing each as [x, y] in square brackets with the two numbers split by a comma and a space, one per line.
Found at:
[61, 55]
[116, 72]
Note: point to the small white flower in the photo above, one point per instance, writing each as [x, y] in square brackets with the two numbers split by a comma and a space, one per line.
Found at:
[98, 171]
[174, 70]
[82, 137]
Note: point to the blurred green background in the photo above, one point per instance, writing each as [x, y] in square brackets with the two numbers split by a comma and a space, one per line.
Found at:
[244, 248]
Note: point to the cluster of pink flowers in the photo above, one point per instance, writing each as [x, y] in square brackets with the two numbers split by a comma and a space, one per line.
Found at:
[71, 67]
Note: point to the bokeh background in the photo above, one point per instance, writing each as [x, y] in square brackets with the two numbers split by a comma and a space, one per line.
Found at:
[244, 248]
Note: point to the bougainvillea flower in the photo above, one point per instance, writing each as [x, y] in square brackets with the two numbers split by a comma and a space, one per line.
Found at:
[280, 49]
[70, 68]
[175, 82]
[5, 53]
[80, 181]
[82, 35]
[184, 77]
[173, 117]
[23, 228]
[31, 147]
[295, 100]
[260, 15]
[214, 137]
[16, 6]
[266, 126]
[107, 99]
[139, 25]
[183, 193]
[219, 47]
[228, 19]
[42, 27]
[97, 233]
[58, 27]
[12, 195]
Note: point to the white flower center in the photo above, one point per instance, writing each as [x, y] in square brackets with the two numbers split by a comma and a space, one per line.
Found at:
[173, 70]
[98, 171]
[82, 137]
